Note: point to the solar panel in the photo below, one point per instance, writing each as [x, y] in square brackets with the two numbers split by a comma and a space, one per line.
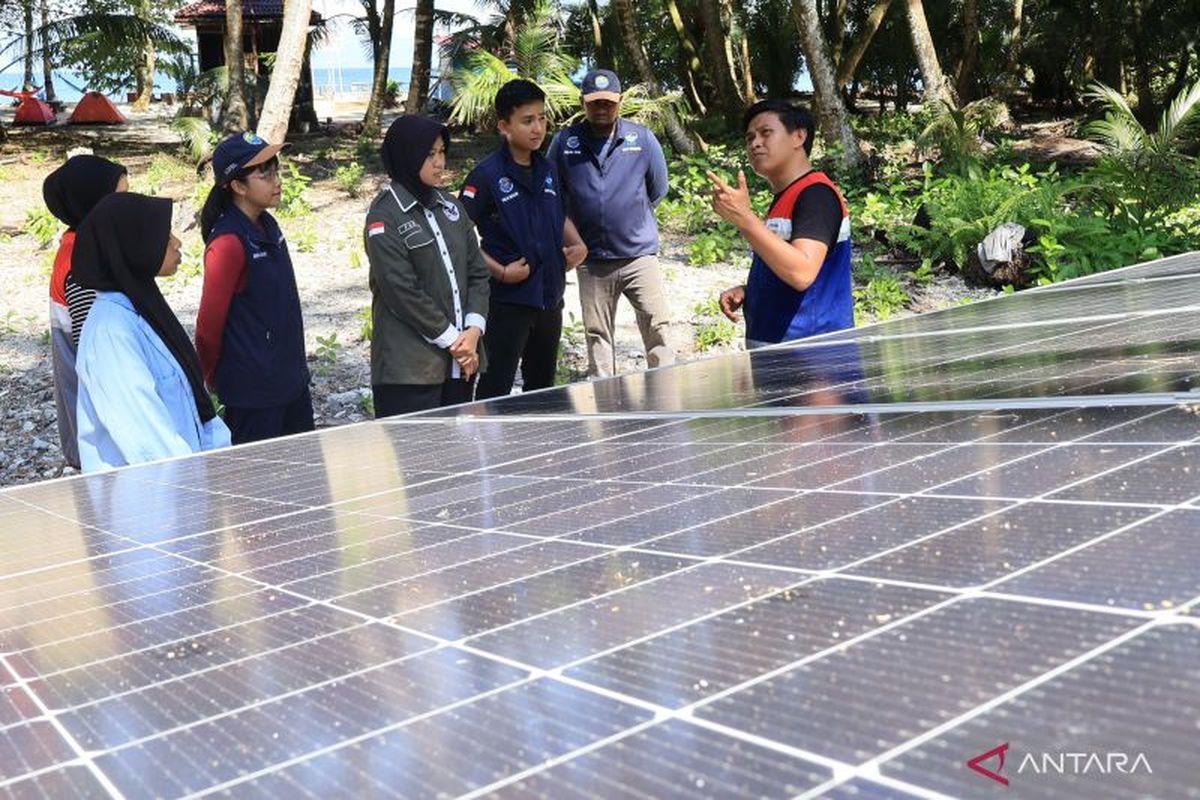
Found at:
[927, 558]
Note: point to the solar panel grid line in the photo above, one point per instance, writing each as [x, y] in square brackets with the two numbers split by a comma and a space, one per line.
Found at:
[167, 645]
[484, 791]
[1157, 505]
[871, 767]
[350, 742]
[80, 754]
[272, 699]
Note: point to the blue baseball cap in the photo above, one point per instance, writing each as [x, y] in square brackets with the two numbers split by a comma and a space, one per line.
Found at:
[239, 152]
[601, 84]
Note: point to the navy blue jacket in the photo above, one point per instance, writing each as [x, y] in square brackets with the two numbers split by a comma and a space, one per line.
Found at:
[520, 218]
[611, 194]
[262, 346]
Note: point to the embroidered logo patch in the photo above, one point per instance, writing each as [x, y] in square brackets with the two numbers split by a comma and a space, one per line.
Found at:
[631, 138]
[573, 142]
[505, 185]
[781, 227]
[251, 138]
[549, 181]
[601, 81]
[407, 228]
[469, 191]
[375, 228]
[451, 211]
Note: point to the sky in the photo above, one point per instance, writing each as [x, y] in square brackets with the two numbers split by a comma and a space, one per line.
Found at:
[346, 50]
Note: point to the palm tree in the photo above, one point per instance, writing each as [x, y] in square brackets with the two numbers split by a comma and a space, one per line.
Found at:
[1122, 133]
[235, 116]
[831, 111]
[531, 51]
[937, 88]
[285, 75]
[377, 28]
[418, 85]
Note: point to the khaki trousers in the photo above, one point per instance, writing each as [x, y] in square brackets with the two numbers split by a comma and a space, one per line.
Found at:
[601, 284]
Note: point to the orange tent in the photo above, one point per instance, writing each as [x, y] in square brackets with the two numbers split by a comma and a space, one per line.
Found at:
[33, 112]
[95, 109]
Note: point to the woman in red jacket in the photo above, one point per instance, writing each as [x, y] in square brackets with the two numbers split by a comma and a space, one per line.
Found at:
[71, 192]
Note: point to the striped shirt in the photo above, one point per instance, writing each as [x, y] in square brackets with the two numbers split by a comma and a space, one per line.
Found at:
[79, 303]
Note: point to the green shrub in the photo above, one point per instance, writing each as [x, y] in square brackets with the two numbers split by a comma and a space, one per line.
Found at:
[716, 333]
[350, 178]
[294, 200]
[42, 225]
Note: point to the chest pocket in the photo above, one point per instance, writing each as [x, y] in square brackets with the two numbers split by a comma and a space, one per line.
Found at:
[417, 239]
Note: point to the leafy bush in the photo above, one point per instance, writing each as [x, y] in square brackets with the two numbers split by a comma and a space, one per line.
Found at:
[350, 177]
[306, 239]
[717, 333]
[294, 201]
[366, 325]
[42, 225]
[881, 295]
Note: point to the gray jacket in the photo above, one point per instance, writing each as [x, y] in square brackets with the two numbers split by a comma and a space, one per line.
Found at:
[417, 310]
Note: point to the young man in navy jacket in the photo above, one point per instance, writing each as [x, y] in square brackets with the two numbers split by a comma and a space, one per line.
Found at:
[614, 174]
[514, 198]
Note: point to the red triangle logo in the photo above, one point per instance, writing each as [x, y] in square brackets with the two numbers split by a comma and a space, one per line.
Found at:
[976, 764]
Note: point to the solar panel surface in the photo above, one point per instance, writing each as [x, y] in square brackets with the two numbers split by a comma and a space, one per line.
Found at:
[842, 568]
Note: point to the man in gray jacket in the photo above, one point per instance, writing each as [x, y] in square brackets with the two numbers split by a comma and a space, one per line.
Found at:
[614, 174]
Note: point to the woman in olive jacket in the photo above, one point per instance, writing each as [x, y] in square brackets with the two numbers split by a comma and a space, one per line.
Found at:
[429, 282]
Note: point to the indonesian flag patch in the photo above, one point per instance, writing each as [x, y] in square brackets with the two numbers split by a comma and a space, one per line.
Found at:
[469, 191]
[375, 228]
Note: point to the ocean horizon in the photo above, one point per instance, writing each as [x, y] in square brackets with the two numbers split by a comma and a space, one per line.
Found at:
[341, 80]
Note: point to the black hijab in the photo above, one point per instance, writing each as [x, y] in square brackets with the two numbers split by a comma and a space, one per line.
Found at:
[120, 248]
[405, 147]
[72, 190]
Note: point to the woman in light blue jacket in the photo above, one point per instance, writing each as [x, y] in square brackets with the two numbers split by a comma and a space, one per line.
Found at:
[141, 390]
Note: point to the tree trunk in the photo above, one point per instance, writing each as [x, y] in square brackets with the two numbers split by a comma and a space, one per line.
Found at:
[285, 76]
[831, 112]
[936, 89]
[1014, 34]
[381, 51]
[747, 74]
[28, 9]
[964, 73]
[600, 52]
[418, 88]
[849, 65]
[235, 117]
[680, 138]
[837, 32]
[693, 67]
[146, 73]
[716, 42]
[47, 66]
[1147, 109]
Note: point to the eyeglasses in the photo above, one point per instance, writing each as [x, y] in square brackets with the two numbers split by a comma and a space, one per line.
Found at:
[267, 172]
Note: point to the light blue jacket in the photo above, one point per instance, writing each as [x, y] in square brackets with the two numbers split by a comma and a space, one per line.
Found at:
[135, 403]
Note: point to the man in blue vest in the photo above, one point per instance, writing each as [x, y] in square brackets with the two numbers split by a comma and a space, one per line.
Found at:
[527, 241]
[614, 174]
[799, 283]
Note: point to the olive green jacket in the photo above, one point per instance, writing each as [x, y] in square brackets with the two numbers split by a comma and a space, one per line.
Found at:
[413, 295]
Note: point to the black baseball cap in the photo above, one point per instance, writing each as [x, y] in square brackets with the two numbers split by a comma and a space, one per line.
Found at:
[601, 84]
[239, 152]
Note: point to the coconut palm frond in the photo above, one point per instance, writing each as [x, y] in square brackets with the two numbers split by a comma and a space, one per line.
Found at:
[1178, 119]
[1119, 133]
[195, 134]
[102, 29]
[475, 87]
[1120, 130]
[639, 105]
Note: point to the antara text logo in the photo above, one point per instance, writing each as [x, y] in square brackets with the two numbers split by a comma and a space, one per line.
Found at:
[990, 764]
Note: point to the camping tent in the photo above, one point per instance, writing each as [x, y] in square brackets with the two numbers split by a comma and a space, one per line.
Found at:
[33, 111]
[95, 109]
